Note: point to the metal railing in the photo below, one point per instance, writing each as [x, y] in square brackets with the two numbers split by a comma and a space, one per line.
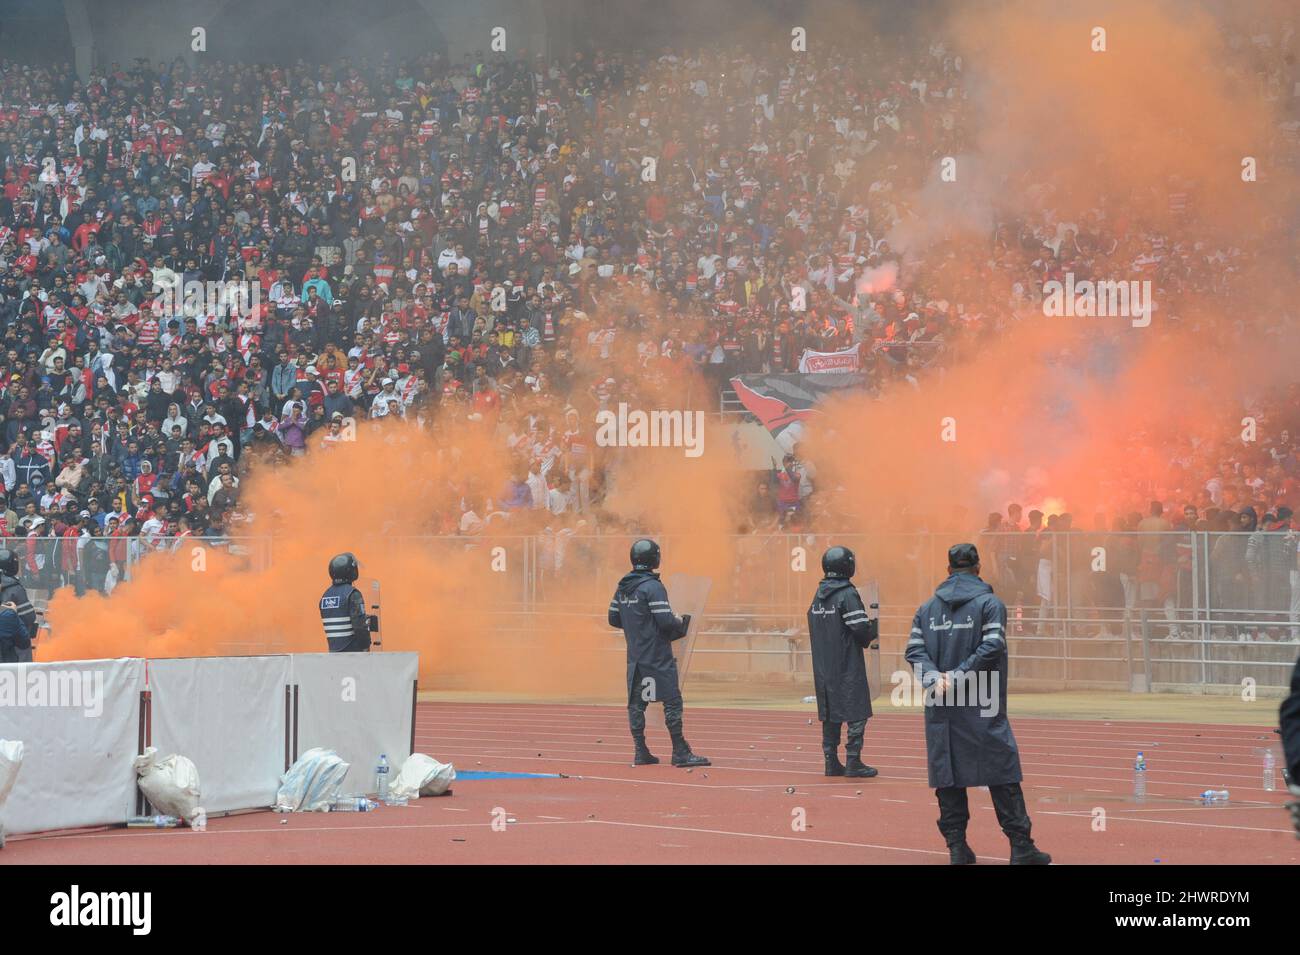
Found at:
[1141, 610]
[100, 563]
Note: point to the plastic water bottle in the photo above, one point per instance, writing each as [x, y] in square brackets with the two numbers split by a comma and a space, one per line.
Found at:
[1140, 778]
[1215, 795]
[153, 822]
[381, 777]
[351, 804]
[1270, 764]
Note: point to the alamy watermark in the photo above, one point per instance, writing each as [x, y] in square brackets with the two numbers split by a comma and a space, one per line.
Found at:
[651, 429]
[980, 688]
[41, 687]
[1107, 299]
[132, 910]
[219, 299]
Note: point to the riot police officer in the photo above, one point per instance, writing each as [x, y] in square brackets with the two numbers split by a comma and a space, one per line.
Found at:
[840, 630]
[958, 647]
[12, 591]
[1289, 728]
[640, 608]
[343, 609]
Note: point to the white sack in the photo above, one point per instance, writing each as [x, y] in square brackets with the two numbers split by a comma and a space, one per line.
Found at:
[422, 775]
[171, 785]
[312, 783]
[11, 760]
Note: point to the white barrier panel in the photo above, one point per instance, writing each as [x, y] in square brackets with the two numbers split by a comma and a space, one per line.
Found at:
[226, 714]
[359, 705]
[79, 722]
[80, 725]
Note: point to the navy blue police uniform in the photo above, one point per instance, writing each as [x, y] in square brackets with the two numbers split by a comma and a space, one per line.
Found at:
[641, 610]
[961, 631]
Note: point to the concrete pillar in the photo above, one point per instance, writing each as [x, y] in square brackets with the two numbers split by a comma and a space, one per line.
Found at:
[468, 27]
[83, 37]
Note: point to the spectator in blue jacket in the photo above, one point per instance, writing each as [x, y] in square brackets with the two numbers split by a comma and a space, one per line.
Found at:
[14, 635]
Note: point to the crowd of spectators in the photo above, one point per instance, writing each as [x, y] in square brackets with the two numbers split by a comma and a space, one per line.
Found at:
[504, 239]
[1237, 571]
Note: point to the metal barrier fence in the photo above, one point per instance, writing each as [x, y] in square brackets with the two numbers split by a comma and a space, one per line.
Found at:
[1139, 610]
[100, 563]
[1143, 610]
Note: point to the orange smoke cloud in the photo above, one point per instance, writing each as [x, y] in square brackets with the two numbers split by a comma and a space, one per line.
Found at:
[1147, 137]
[1070, 409]
[460, 602]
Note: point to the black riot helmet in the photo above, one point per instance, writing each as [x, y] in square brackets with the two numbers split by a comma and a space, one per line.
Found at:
[343, 569]
[839, 562]
[645, 555]
[8, 562]
[964, 558]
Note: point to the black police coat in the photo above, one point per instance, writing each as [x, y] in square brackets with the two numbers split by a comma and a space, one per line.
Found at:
[962, 629]
[840, 630]
[14, 638]
[12, 589]
[343, 614]
[1289, 722]
[640, 608]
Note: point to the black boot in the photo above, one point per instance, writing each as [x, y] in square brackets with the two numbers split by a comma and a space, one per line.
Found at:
[636, 723]
[685, 758]
[831, 748]
[959, 853]
[682, 755]
[853, 765]
[1009, 804]
[1026, 853]
[643, 756]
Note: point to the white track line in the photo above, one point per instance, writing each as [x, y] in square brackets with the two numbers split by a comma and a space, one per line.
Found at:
[1156, 786]
[280, 831]
[1087, 749]
[1167, 822]
[759, 716]
[876, 745]
[748, 787]
[1221, 769]
[1200, 809]
[912, 720]
[758, 835]
[881, 736]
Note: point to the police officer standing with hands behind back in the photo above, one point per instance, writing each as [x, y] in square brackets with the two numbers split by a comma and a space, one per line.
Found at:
[343, 609]
[840, 630]
[640, 608]
[959, 638]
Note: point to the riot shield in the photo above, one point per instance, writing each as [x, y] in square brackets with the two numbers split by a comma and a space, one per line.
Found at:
[688, 595]
[870, 593]
[369, 588]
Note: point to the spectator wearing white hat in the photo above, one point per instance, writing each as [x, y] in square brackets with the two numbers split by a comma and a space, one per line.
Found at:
[313, 389]
[379, 407]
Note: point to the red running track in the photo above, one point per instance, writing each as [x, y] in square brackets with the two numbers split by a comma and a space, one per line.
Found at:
[739, 810]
